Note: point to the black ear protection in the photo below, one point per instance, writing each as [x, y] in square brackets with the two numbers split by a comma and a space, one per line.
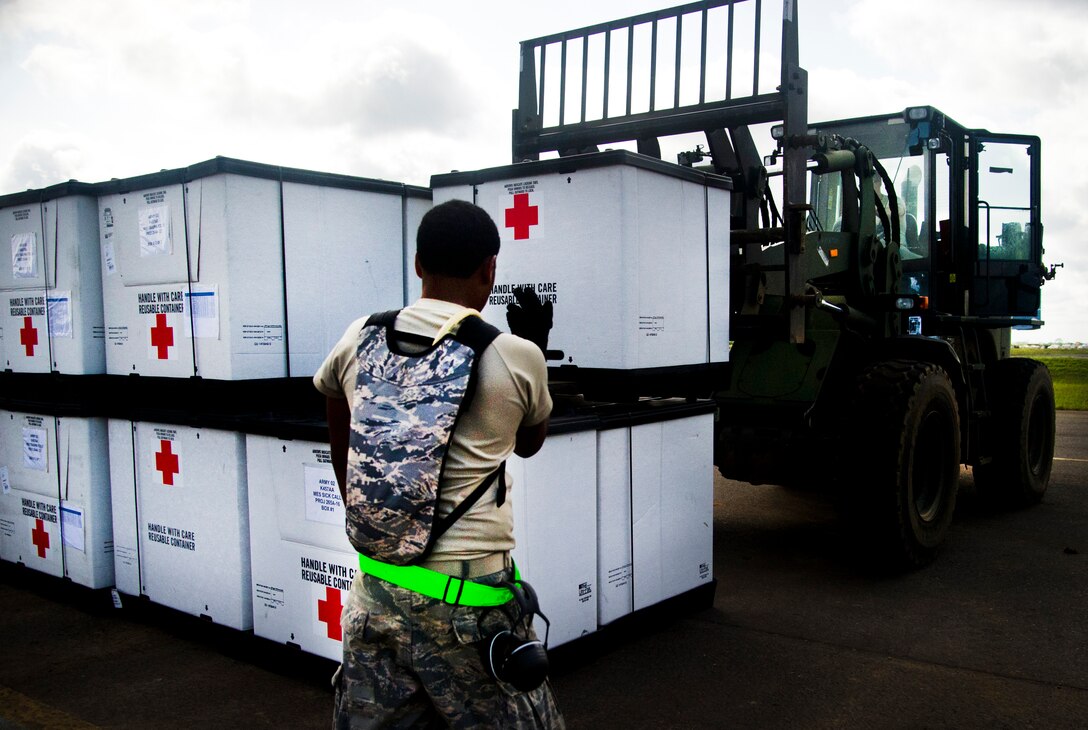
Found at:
[510, 655]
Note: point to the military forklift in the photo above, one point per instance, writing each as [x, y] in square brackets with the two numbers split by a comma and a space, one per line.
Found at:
[872, 300]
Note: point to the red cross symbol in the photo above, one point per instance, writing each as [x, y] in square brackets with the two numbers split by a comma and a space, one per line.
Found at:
[328, 611]
[162, 336]
[28, 336]
[521, 216]
[167, 462]
[40, 537]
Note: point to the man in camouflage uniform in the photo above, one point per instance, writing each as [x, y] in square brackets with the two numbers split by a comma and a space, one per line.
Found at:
[411, 660]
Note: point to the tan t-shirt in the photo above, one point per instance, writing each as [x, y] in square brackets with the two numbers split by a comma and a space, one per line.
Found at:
[512, 391]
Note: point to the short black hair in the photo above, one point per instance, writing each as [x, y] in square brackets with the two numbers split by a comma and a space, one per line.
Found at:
[454, 238]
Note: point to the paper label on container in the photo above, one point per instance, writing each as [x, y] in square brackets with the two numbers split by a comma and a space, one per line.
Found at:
[24, 259]
[35, 449]
[71, 527]
[154, 223]
[5, 483]
[323, 503]
[109, 257]
[59, 306]
[203, 319]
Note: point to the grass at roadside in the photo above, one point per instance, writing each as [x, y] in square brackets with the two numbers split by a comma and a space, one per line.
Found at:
[1069, 369]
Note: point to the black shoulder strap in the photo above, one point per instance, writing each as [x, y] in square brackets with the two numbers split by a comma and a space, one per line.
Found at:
[444, 523]
[388, 320]
[383, 319]
[476, 333]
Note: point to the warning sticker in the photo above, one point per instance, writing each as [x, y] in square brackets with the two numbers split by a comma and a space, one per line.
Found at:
[323, 503]
[167, 458]
[24, 259]
[520, 203]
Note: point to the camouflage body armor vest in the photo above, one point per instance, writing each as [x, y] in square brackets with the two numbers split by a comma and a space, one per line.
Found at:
[404, 411]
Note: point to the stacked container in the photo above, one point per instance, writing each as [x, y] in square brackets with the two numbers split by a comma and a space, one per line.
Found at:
[633, 255]
[54, 504]
[225, 283]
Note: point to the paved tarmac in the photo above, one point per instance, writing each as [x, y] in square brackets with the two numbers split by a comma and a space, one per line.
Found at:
[992, 635]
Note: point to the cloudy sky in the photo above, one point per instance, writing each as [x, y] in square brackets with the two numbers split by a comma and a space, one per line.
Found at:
[95, 89]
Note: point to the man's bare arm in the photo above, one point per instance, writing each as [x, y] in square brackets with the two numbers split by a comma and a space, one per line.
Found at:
[339, 416]
[529, 439]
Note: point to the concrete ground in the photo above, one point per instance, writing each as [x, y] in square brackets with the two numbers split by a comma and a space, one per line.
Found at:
[993, 634]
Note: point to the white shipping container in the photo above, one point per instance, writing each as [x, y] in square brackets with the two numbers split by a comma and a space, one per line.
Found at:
[555, 527]
[51, 291]
[234, 270]
[615, 565]
[672, 507]
[632, 252]
[55, 502]
[303, 564]
[181, 518]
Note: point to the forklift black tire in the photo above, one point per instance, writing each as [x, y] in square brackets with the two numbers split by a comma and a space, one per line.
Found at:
[908, 433]
[1021, 432]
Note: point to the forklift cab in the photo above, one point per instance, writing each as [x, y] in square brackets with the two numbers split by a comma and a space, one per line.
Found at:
[968, 207]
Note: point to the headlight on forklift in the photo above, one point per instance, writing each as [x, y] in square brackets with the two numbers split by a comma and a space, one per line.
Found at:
[778, 131]
[905, 304]
[917, 113]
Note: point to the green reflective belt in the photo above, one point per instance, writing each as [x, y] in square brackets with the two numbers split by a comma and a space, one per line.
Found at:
[433, 584]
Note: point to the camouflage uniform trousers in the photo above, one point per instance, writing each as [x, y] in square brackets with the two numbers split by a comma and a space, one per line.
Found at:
[414, 661]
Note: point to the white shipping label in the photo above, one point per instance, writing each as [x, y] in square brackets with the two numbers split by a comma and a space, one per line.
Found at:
[109, 257]
[71, 527]
[5, 483]
[59, 306]
[24, 259]
[323, 503]
[203, 319]
[521, 215]
[35, 449]
[155, 230]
